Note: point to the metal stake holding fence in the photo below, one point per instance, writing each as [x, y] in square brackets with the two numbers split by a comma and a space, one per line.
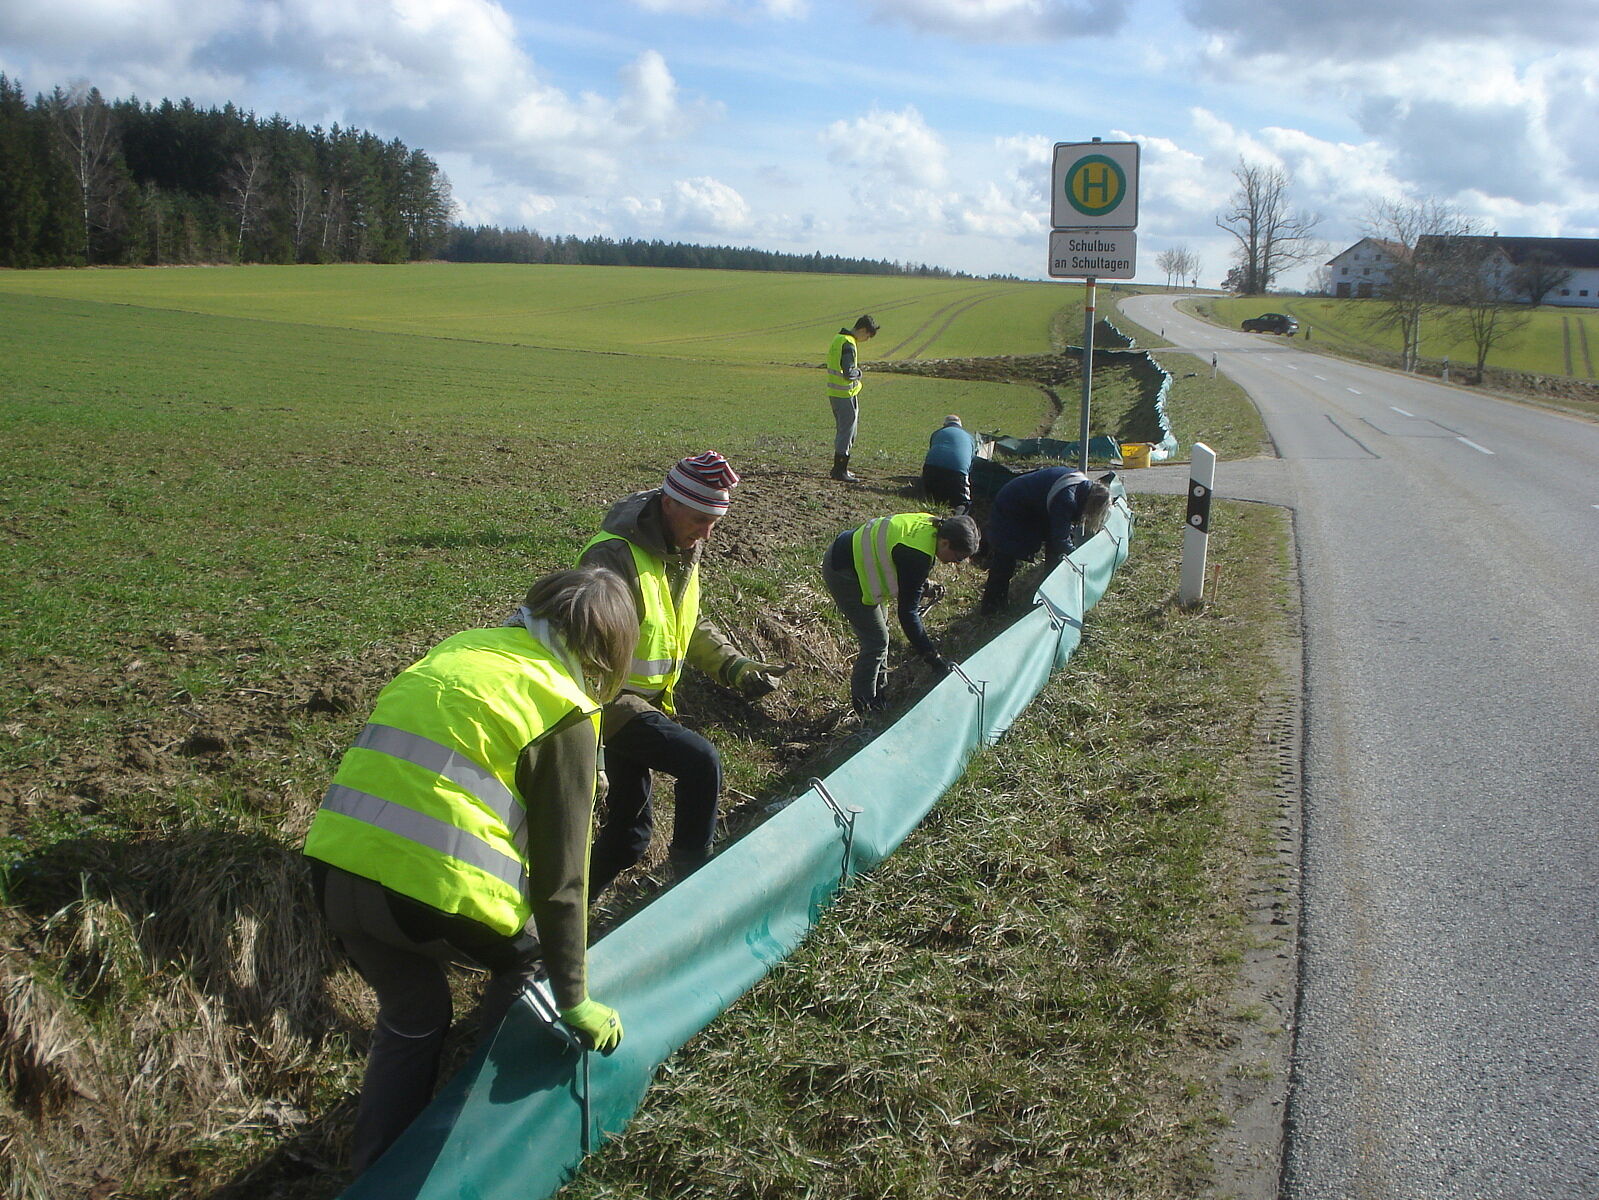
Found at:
[543, 1005]
[1059, 620]
[978, 688]
[844, 818]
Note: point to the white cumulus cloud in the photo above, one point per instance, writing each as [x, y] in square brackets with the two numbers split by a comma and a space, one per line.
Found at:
[780, 9]
[708, 204]
[896, 149]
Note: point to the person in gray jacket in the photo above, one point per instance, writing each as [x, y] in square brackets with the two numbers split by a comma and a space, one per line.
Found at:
[654, 540]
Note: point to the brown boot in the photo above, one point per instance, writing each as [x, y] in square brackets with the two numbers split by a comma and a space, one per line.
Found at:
[841, 469]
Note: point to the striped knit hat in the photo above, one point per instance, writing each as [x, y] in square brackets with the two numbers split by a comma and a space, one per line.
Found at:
[702, 483]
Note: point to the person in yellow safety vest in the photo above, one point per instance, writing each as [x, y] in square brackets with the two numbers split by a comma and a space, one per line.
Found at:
[885, 561]
[654, 540]
[844, 389]
[457, 830]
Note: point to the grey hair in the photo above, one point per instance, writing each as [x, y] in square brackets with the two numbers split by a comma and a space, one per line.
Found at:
[961, 533]
[592, 610]
[1096, 504]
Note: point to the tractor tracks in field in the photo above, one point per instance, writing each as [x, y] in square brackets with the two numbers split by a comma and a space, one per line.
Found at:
[954, 309]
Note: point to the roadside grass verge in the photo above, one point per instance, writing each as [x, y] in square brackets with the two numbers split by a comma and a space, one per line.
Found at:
[1215, 411]
[1551, 343]
[1022, 1000]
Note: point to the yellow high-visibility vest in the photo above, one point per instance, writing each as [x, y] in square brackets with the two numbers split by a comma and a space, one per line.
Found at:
[425, 803]
[839, 385]
[665, 626]
[873, 547]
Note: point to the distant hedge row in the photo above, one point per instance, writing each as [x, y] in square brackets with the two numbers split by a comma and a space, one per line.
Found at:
[487, 243]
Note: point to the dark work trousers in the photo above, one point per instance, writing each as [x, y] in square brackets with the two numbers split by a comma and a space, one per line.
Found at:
[996, 592]
[1001, 568]
[401, 948]
[652, 741]
[870, 624]
[946, 484]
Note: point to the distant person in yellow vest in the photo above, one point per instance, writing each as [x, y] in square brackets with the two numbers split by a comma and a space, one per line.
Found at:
[844, 390]
[888, 561]
[654, 541]
[457, 830]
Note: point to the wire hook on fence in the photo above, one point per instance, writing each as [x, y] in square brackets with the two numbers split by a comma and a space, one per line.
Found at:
[844, 818]
[978, 688]
[1058, 616]
[543, 1005]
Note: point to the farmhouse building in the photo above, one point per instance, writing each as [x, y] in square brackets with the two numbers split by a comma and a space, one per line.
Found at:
[1571, 265]
[1363, 269]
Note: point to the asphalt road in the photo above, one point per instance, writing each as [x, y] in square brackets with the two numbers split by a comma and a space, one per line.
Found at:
[1448, 1029]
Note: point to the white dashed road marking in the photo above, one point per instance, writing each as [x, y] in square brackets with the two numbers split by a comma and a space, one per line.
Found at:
[1401, 411]
[1474, 446]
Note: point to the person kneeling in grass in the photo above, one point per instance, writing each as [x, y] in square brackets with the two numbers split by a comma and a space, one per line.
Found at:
[890, 559]
[654, 540]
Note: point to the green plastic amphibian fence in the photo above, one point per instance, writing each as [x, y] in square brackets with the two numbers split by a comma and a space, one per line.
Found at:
[516, 1121]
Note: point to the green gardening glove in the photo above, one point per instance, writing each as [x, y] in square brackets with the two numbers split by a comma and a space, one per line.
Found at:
[598, 1026]
[756, 679]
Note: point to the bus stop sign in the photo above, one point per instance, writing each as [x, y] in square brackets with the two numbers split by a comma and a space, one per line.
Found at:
[1095, 186]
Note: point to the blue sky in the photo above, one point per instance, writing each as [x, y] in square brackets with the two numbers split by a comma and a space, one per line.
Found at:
[914, 130]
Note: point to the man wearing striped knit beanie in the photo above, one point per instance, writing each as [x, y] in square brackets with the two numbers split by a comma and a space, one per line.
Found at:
[653, 540]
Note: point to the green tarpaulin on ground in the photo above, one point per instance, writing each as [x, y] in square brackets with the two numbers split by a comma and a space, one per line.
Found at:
[509, 1125]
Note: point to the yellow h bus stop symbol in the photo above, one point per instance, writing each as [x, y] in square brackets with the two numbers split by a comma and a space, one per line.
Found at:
[1095, 185]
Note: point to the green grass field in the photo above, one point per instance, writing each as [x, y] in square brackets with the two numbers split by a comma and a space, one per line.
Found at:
[736, 316]
[235, 501]
[1553, 342]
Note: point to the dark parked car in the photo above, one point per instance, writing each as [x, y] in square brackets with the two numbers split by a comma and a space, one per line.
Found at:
[1272, 323]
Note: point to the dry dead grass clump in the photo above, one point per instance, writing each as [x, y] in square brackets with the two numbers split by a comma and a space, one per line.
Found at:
[179, 999]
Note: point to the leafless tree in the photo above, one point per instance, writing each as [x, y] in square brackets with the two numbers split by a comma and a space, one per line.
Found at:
[1537, 275]
[1169, 261]
[1179, 263]
[246, 181]
[1483, 310]
[1431, 264]
[1272, 235]
[82, 121]
[303, 196]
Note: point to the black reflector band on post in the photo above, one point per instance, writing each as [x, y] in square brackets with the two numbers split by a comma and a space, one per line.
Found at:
[1198, 507]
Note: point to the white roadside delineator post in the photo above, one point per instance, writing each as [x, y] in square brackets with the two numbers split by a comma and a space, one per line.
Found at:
[1196, 537]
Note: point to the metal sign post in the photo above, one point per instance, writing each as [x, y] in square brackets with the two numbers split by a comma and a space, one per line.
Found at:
[1093, 211]
[1088, 373]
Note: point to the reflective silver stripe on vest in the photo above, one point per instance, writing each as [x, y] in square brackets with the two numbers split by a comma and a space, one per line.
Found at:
[473, 778]
[436, 835]
[882, 581]
[652, 666]
[1065, 481]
